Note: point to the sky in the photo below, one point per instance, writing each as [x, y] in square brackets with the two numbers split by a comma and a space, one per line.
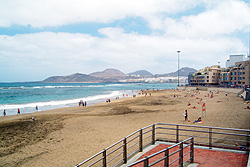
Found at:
[43, 38]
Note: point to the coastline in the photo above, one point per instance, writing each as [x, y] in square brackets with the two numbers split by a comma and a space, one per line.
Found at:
[51, 96]
[67, 136]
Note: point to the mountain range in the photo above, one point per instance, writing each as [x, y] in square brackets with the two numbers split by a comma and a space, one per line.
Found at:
[113, 75]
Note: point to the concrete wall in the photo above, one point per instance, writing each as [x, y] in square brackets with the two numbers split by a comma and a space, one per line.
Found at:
[214, 89]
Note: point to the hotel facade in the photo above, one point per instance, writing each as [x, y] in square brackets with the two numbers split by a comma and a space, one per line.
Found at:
[237, 75]
[234, 76]
[207, 76]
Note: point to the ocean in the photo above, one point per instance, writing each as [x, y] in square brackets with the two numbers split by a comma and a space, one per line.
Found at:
[26, 96]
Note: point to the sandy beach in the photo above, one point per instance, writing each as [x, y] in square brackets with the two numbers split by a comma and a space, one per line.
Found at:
[67, 136]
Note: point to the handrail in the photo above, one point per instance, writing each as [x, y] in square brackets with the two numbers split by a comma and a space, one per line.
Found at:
[134, 142]
[159, 152]
[204, 127]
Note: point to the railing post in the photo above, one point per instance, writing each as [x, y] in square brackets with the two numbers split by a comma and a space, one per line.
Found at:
[192, 150]
[153, 134]
[104, 158]
[125, 150]
[177, 133]
[181, 155]
[166, 159]
[140, 141]
[146, 162]
[210, 138]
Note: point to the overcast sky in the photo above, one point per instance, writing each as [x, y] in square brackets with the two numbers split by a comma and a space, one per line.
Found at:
[42, 38]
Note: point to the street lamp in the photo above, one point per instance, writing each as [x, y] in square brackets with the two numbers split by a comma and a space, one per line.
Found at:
[178, 65]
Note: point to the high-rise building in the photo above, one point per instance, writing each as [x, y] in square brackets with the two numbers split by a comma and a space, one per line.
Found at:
[233, 59]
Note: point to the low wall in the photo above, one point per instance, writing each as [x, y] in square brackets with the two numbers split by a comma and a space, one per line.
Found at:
[214, 89]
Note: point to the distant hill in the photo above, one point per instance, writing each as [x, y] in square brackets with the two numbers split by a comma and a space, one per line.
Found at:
[113, 75]
[109, 73]
[141, 73]
[182, 72]
[71, 78]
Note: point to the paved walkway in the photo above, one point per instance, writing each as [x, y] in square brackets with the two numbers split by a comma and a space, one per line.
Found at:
[204, 157]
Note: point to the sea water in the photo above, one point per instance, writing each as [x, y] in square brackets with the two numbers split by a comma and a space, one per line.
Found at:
[26, 96]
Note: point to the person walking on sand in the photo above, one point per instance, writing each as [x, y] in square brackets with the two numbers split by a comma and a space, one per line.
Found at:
[186, 115]
[4, 113]
[18, 111]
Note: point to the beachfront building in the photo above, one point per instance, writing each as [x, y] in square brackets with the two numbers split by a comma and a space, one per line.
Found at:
[225, 77]
[207, 76]
[237, 75]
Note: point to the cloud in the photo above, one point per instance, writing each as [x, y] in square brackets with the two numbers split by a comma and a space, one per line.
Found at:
[205, 37]
[225, 18]
[47, 13]
[50, 53]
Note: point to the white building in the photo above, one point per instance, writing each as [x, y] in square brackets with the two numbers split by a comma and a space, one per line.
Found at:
[233, 59]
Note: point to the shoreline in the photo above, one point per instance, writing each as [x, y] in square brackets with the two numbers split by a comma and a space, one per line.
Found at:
[89, 99]
[67, 136]
[59, 110]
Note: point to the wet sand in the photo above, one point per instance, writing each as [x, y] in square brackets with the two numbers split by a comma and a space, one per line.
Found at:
[67, 136]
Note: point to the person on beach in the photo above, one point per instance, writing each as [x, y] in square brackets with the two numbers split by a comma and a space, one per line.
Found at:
[18, 111]
[4, 113]
[198, 120]
[186, 115]
[36, 108]
[85, 104]
[81, 103]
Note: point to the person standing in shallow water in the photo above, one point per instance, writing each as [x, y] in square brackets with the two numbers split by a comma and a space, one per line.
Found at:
[4, 113]
[18, 111]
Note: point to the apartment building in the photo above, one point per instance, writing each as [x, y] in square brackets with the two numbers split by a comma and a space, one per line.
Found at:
[207, 76]
[237, 75]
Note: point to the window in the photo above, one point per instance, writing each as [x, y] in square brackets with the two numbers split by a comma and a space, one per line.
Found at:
[227, 78]
[243, 77]
[243, 72]
[234, 78]
[232, 73]
[231, 78]
[235, 73]
[239, 78]
[239, 73]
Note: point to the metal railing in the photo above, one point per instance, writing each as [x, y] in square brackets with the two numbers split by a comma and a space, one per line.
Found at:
[170, 152]
[241, 91]
[211, 137]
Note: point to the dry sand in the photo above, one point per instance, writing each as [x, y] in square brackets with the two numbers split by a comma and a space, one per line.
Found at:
[67, 136]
